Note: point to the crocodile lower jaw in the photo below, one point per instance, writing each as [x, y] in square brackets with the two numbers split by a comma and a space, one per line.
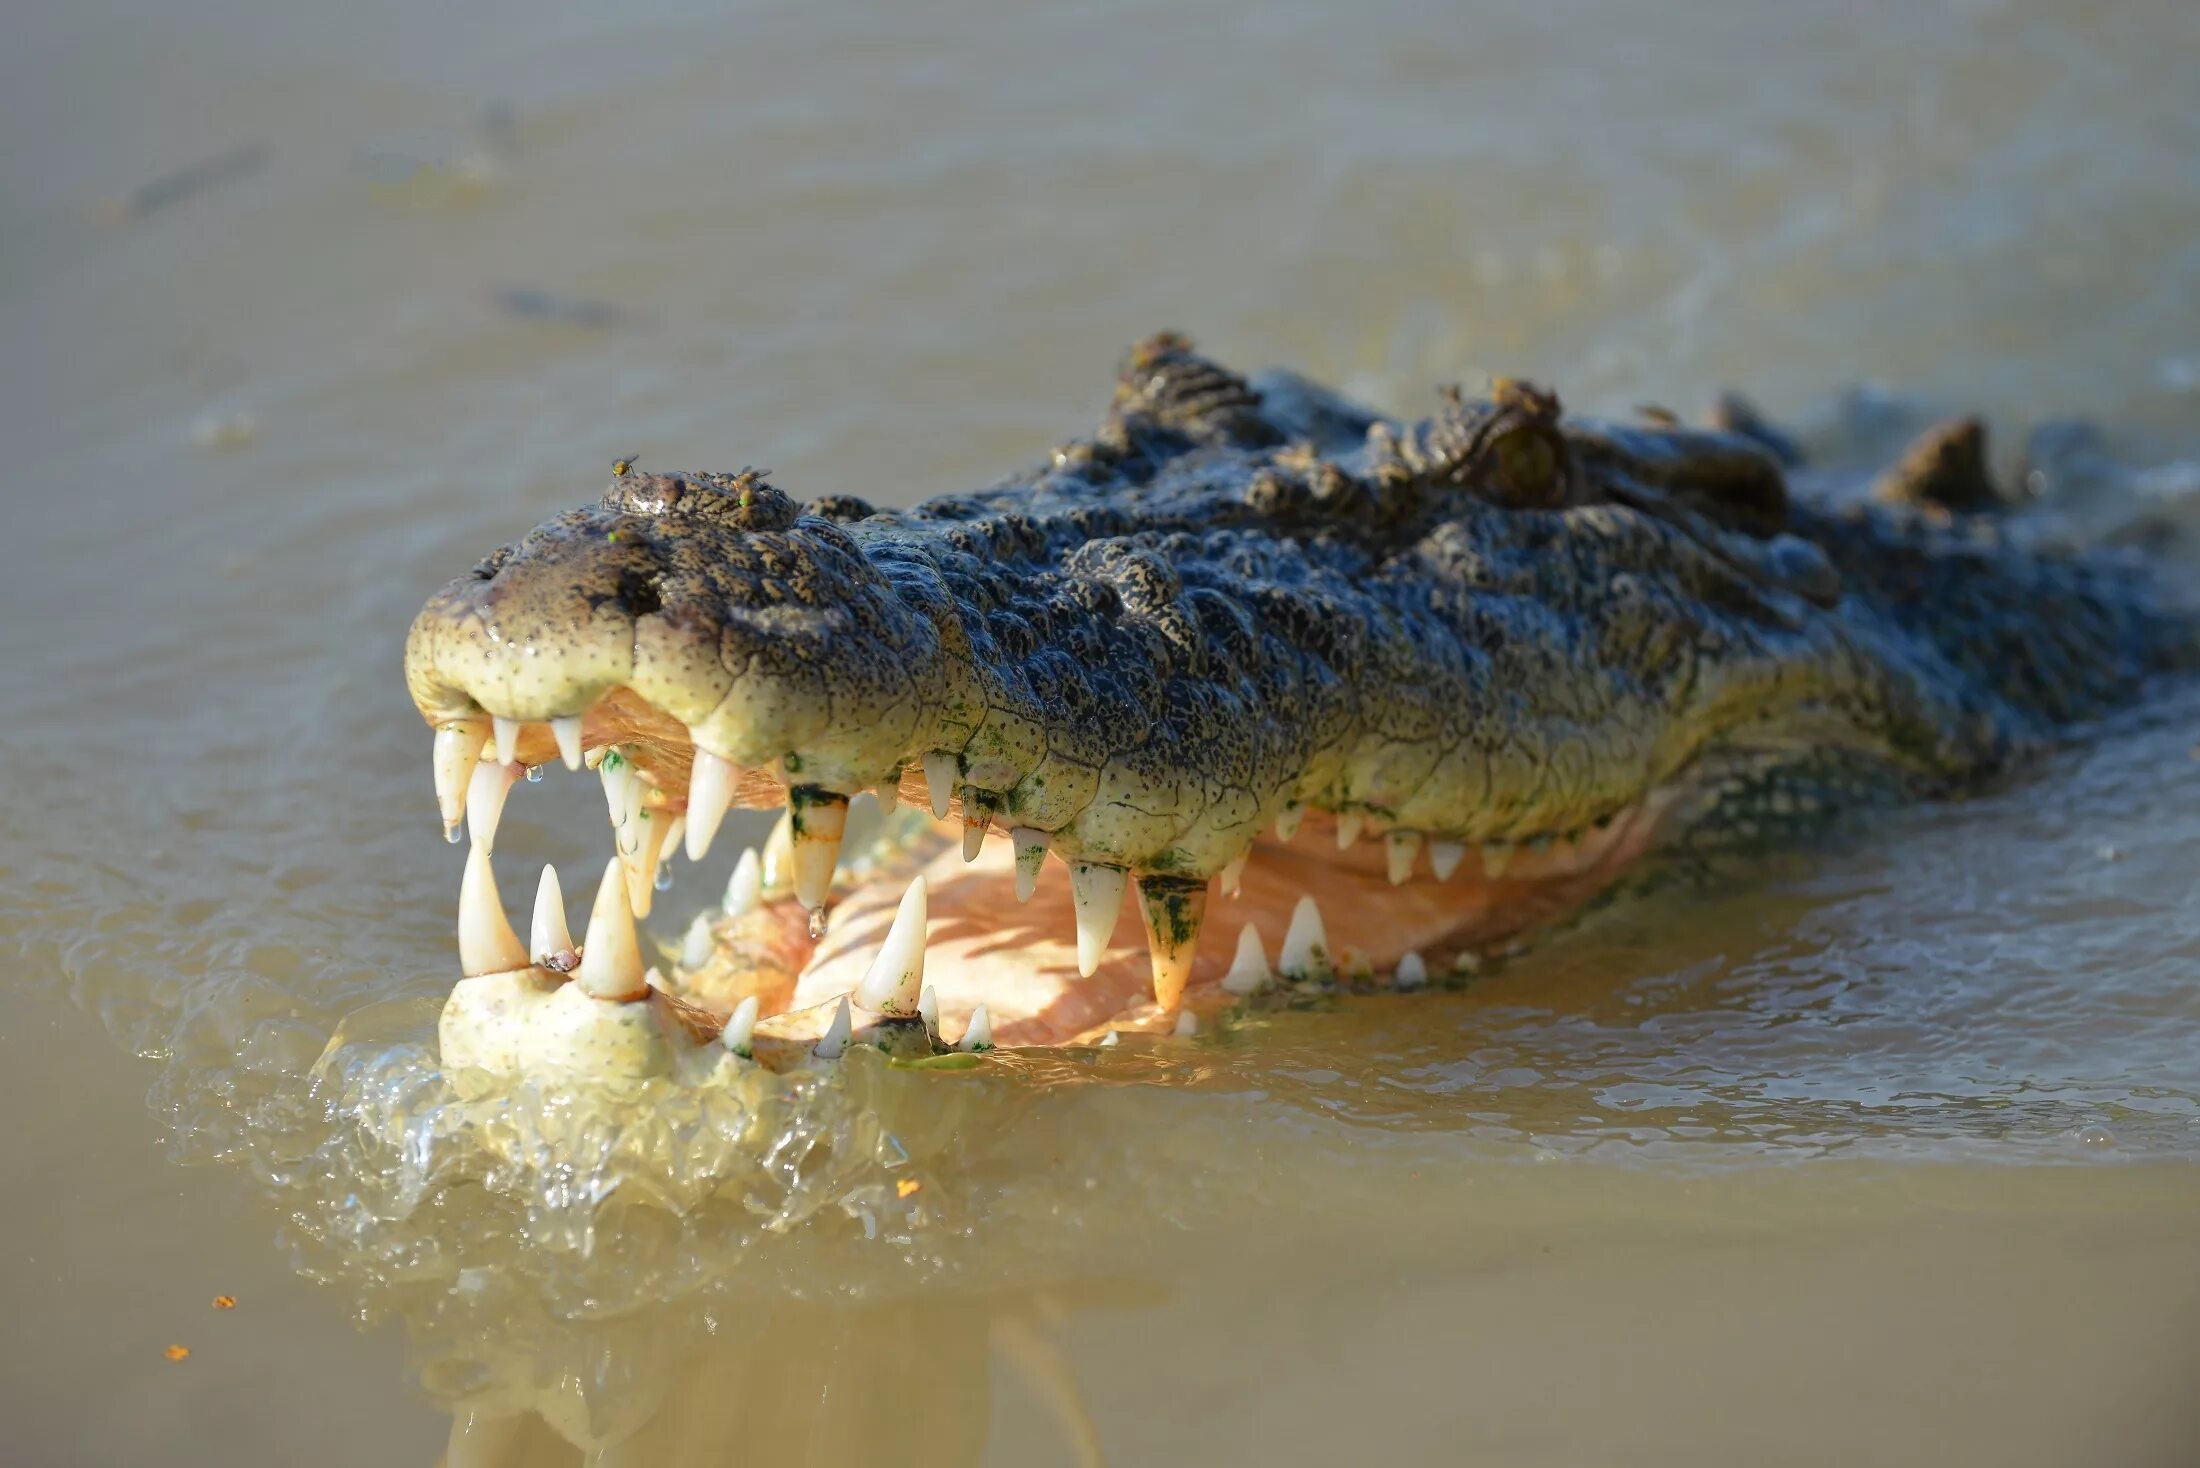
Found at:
[961, 933]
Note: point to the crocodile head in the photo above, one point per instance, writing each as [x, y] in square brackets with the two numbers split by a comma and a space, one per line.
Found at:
[1328, 699]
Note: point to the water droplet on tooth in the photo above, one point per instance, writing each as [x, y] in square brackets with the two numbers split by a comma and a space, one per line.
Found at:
[1496, 857]
[1031, 851]
[1174, 909]
[1232, 880]
[546, 932]
[458, 747]
[816, 821]
[1412, 971]
[710, 791]
[507, 738]
[1096, 892]
[1287, 821]
[486, 790]
[486, 942]
[939, 781]
[1249, 966]
[979, 1035]
[895, 981]
[835, 1043]
[740, 1031]
[1444, 858]
[450, 835]
[1402, 848]
[1349, 823]
[611, 954]
[567, 731]
[1306, 945]
[697, 942]
[817, 923]
[745, 890]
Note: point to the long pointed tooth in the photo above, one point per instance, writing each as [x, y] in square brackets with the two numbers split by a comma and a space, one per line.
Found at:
[1496, 857]
[776, 869]
[816, 820]
[895, 981]
[928, 1009]
[631, 830]
[1031, 851]
[1287, 821]
[507, 737]
[1249, 968]
[1174, 908]
[1401, 848]
[1444, 858]
[745, 890]
[652, 829]
[457, 748]
[1233, 875]
[696, 942]
[1349, 823]
[1097, 894]
[977, 815]
[835, 1043]
[486, 942]
[486, 790]
[567, 731]
[710, 791]
[546, 933]
[617, 773]
[888, 793]
[939, 779]
[1306, 944]
[611, 954]
[979, 1035]
[1412, 971]
[740, 1028]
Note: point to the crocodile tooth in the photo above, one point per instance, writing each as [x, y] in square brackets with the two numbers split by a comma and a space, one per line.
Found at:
[888, 794]
[616, 773]
[567, 731]
[486, 789]
[1496, 856]
[1402, 848]
[696, 943]
[1349, 823]
[1444, 858]
[547, 935]
[507, 738]
[1110, 1040]
[1031, 851]
[745, 890]
[1174, 908]
[835, 1043]
[611, 954]
[1287, 821]
[486, 942]
[817, 819]
[928, 1009]
[631, 831]
[1305, 945]
[896, 977]
[651, 828]
[1412, 971]
[1249, 969]
[675, 834]
[1187, 1024]
[977, 815]
[710, 791]
[939, 781]
[979, 1035]
[740, 1028]
[1232, 879]
[1097, 894]
[776, 866]
[457, 749]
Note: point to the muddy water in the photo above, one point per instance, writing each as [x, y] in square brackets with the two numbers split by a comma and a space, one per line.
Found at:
[1886, 1154]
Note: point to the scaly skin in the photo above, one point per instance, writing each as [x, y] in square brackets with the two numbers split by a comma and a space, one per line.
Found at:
[1499, 628]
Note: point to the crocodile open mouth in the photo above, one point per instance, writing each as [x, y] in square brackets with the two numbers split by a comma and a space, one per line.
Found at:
[950, 930]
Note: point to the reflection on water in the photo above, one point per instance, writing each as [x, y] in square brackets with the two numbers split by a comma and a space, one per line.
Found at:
[305, 311]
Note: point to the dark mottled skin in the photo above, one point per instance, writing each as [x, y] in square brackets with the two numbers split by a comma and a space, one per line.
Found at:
[1499, 623]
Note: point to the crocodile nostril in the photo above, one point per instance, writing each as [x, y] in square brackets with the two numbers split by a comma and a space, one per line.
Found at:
[639, 595]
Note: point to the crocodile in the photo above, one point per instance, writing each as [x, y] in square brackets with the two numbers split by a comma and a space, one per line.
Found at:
[1373, 700]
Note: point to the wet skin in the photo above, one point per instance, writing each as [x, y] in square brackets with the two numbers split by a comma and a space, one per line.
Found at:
[1246, 646]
